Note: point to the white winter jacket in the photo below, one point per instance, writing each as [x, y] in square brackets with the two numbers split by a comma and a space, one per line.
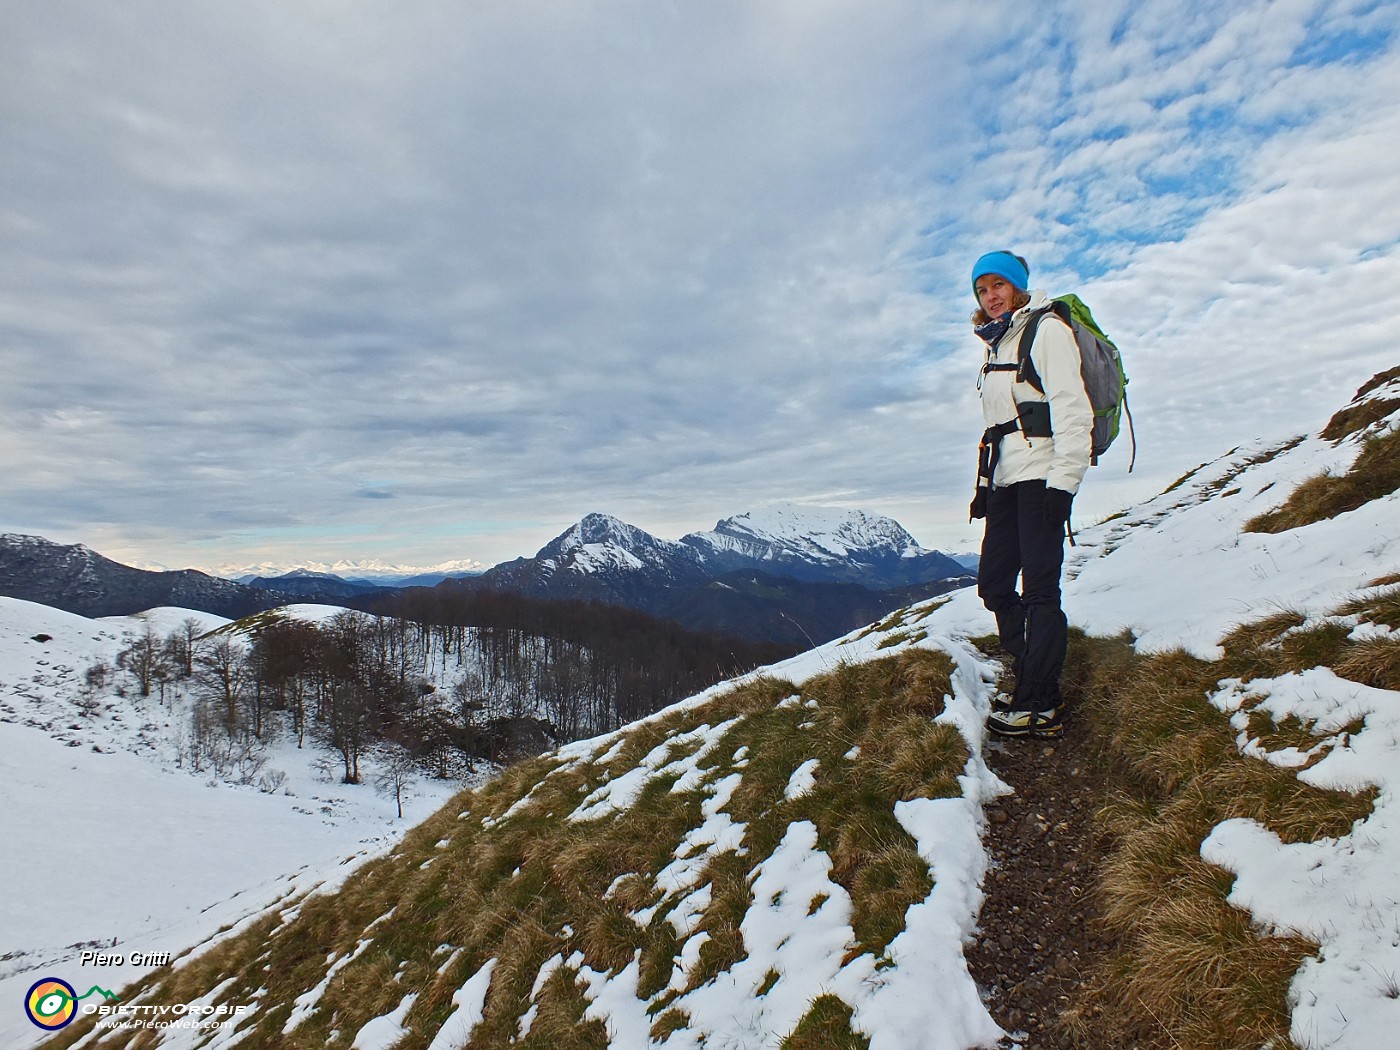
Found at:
[1059, 460]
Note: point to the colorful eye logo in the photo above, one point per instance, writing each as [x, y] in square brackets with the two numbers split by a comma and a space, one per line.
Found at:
[51, 1003]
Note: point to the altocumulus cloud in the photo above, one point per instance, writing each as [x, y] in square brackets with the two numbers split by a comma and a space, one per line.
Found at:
[299, 281]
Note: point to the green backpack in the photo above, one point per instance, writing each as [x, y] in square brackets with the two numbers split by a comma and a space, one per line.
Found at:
[1100, 363]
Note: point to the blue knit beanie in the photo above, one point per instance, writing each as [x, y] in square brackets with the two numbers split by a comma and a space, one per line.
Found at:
[1003, 264]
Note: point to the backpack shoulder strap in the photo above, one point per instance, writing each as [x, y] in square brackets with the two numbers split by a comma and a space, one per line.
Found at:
[1025, 367]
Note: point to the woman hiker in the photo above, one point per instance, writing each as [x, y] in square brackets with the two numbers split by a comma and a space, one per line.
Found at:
[1032, 459]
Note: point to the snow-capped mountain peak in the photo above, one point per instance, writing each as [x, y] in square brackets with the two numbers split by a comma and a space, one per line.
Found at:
[817, 544]
[825, 533]
[600, 543]
[820, 543]
[602, 529]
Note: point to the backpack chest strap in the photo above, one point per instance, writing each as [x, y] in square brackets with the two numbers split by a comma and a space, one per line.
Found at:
[1033, 417]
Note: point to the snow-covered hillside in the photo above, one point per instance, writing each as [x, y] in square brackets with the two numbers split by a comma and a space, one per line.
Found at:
[797, 853]
[110, 845]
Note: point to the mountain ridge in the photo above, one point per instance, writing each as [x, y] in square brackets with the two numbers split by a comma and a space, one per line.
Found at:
[819, 543]
[77, 579]
[789, 574]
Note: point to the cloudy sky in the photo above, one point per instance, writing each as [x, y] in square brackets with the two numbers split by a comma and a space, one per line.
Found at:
[295, 281]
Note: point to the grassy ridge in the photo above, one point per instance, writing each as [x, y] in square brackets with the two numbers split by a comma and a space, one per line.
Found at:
[502, 874]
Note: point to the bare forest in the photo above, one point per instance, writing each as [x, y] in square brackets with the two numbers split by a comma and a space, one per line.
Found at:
[450, 678]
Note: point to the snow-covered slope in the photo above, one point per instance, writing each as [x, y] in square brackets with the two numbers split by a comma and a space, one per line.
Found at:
[697, 879]
[110, 845]
[80, 580]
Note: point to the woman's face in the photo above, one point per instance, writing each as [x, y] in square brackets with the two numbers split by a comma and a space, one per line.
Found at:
[995, 294]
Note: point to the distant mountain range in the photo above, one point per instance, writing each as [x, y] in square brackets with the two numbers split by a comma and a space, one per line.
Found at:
[78, 580]
[789, 574]
[359, 575]
[792, 574]
[809, 544]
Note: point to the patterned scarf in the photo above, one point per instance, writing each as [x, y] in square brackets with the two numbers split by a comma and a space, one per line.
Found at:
[994, 330]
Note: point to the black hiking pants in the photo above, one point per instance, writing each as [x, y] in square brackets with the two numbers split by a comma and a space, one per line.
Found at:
[1021, 541]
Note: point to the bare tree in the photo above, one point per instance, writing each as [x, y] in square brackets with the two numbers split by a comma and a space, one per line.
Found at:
[397, 775]
[228, 752]
[181, 645]
[95, 681]
[143, 659]
[224, 677]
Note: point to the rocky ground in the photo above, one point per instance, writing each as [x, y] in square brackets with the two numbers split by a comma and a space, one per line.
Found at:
[1040, 939]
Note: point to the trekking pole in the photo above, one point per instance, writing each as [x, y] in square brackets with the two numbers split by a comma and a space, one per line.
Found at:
[1070, 533]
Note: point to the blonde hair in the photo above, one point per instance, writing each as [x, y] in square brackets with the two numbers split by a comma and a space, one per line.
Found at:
[1020, 299]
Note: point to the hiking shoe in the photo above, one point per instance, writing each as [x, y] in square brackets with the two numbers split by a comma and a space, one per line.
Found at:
[1010, 722]
[1002, 702]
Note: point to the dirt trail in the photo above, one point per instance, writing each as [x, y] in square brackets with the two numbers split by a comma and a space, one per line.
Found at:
[1039, 935]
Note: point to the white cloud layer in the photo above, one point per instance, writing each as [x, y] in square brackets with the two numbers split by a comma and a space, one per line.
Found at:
[305, 281]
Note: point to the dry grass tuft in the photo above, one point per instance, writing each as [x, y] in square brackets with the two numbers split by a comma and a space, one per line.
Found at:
[1382, 608]
[1281, 644]
[1374, 474]
[826, 1026]
[1158, 723]
[559, 1023]
[1183, 479]
[669, 1022]
[883, 885]
[1357, 417]
[1377, 381]
[914, 758]
[1362, 413]
[731, 897]
[1250, 638]
[1375, 662]
[1193, 972]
